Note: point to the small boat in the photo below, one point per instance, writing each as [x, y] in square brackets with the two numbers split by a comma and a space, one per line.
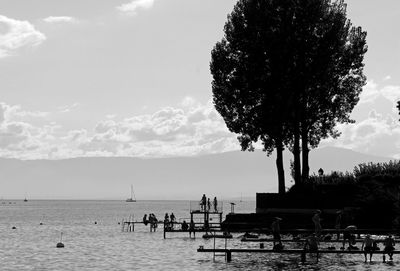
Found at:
[132, 198]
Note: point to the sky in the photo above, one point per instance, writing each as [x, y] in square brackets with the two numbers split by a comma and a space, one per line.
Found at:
[131, 78]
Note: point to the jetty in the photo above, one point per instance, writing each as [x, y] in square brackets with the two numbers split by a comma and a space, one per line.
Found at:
[203, 218]
[226, 252]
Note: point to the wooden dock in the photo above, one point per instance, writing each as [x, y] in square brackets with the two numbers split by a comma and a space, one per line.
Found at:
[228, 252]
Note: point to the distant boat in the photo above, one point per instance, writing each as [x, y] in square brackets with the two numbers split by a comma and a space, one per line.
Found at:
[132, 198]
[25, 200]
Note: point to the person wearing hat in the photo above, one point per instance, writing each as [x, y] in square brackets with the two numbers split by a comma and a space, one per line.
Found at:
[317, 222]
[348, 235]
[368, 247]
[276, 232]
[389, 246]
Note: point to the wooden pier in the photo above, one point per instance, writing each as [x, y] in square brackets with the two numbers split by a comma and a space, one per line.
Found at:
[203, 215]
[228, 252]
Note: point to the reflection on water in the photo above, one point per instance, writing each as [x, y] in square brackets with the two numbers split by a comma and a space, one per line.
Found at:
[102, 246]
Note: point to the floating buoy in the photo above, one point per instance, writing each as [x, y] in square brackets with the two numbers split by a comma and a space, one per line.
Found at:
[40, 223]
[95, 222]
[60, 244]
[14, 228]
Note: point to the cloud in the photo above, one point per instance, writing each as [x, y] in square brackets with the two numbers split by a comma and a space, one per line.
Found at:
[387, 77]
[171, 131]
[67, 108]
[377, 128]
[18, 35]
[132, 7]
[60, 19]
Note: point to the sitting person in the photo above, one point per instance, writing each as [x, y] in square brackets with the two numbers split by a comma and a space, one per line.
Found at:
[389, 246]
[348, 234]
[312, 244]
[185, 226]
[368, 247]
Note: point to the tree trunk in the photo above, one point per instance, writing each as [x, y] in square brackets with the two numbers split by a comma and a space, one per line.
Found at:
[279, 166]
[296, 154]
[305, 151]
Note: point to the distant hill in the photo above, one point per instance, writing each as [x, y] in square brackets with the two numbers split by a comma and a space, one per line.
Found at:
[226, 175]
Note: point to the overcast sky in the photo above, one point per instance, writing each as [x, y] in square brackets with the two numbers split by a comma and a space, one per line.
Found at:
[131, 78]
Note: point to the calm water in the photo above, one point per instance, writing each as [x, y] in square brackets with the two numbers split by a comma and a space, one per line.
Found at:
[103, 246]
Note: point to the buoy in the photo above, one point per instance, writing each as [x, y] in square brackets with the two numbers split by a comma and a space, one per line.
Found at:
[60, 244]
[40, 223]
[95, 222]
[14, 228]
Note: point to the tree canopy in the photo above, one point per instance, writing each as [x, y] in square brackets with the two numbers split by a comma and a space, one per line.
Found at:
[286, 71]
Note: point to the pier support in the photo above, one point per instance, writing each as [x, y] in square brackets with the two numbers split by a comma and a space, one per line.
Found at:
[228, 256]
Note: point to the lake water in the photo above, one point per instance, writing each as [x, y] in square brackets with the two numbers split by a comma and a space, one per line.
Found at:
[103, 246]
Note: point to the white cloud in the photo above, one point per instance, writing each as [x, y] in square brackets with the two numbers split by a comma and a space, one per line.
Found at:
[18, 35]
[60, 19]
[132, 7]
[377, 127]
[170, 131]
[387, 77]
[67, 108]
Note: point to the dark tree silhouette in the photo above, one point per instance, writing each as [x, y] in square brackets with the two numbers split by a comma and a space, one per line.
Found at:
[286, 71]
[328, 72]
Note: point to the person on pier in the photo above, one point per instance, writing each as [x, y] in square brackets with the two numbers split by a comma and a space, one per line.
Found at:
[166, 222]
[172, 217]
[317, 222]
[185, 226]
[389, 246]
[368, 247]
[215, 205]
[338, 222]
[348, 235]
[312, 244]
[276, 233]
[208, 205]
[145, 221]
[203, 202]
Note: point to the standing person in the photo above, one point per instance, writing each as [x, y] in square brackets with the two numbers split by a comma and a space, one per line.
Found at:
[172, 217]
[192, 228]
[203, 202]
[276, 232]
[368, 247]
[338, 222]
[215, 204]
[317, 222]
[389, 246]
[151, 221]
[208, 204]
[166, 221]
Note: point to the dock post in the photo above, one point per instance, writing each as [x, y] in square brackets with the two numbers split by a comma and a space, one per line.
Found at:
[303, 256]
[228, 256]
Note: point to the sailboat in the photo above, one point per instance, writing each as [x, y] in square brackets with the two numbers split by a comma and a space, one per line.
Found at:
[132, 198]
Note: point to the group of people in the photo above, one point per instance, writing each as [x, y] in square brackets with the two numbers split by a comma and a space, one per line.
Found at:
[205, 204]
[152, 220]
[312, 242]
[169, 220]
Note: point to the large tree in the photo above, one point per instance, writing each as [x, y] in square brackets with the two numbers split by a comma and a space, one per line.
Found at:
[285, 71]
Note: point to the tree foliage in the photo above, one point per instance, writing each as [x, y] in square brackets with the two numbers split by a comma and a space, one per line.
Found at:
[285, 70]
